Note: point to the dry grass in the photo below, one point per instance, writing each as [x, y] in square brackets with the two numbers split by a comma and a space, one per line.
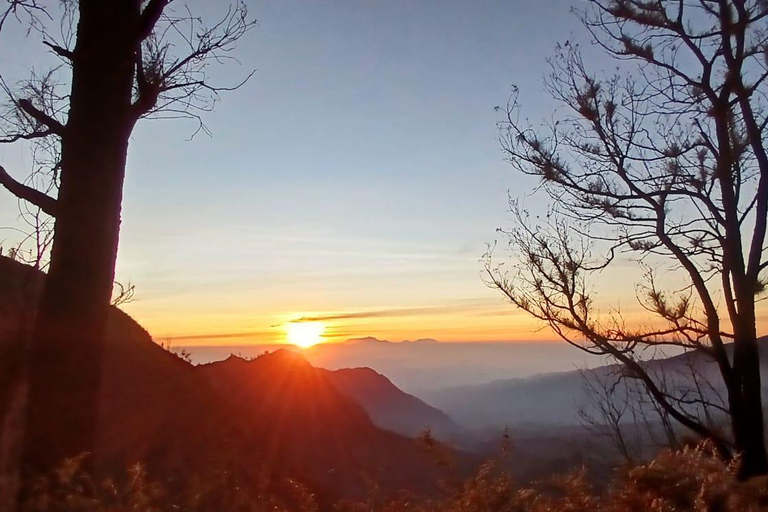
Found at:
[692, 479]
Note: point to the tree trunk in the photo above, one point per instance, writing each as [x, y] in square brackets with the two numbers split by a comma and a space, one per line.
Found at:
[750, 442]
[65, 360]
[747, 410]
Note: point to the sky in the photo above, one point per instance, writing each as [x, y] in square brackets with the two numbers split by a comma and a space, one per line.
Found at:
[355, 179]
[357, 176]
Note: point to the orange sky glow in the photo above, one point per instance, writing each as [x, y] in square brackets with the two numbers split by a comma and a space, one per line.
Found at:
[457, 324]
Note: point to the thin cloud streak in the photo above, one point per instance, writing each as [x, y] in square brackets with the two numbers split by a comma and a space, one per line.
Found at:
[220, 336]
[388, 313]
[471, 308]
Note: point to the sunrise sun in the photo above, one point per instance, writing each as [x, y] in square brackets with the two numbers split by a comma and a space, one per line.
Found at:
[305, 334]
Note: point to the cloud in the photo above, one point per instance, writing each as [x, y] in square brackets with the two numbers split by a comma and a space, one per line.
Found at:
[474, 308]
[219, 336]
[341, 334]
[388, 313]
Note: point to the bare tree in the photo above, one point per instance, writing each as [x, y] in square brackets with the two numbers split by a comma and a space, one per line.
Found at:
[620, 408]
[610, 411]
[665, 161]
[122, 60]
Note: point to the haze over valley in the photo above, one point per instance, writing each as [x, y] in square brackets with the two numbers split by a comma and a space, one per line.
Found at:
[424, 365]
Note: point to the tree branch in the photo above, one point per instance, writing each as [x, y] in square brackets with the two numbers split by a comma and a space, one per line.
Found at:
[60, 51]
[149, 17]
[41, 117]
[43, 201]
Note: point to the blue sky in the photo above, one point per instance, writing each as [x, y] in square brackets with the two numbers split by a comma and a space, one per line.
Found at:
[359, 169]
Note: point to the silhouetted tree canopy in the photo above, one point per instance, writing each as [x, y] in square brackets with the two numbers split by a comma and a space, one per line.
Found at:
[663, 162]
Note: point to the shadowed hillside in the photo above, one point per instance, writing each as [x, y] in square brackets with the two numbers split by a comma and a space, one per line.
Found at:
[421, 366]
[285, 419]
[306, 423]
[556, 399]
[388, 406]
[151, 399]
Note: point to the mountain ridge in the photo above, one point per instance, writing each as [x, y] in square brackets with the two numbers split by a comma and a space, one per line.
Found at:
[160, 410]
[557, 398]
[374, 340]
[388, 407]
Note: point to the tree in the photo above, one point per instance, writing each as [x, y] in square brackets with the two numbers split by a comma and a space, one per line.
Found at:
[123, 60]
[663, 162]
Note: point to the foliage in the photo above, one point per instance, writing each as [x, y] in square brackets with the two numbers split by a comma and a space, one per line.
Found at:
[690, 479]
[181, 352]
[70, 489]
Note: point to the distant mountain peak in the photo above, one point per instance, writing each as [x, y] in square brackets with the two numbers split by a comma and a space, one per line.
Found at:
[280, 359]
[366, 339]
[284, 353]
[374, 340]
[283, 357]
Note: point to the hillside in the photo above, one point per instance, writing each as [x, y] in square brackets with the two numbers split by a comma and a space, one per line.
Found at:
[151, 400]
[556, 399]
[307, 422]
[288, 421]
[420, 366]
[388, 406]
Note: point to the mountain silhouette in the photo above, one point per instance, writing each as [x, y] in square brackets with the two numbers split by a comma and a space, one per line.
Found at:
[375, 341]
[388, 406]
[152, 402]
[276, 414]
[556, 399]
[310, 426]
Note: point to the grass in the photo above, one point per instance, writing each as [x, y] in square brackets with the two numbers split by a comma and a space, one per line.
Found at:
[690, 479]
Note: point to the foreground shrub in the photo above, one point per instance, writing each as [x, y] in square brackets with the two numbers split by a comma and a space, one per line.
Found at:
[692, 479]
[69, 489]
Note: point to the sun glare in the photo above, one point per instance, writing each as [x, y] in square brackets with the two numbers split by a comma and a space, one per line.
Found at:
[305, 334]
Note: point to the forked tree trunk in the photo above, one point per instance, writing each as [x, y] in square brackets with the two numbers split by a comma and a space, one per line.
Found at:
[65, 359]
